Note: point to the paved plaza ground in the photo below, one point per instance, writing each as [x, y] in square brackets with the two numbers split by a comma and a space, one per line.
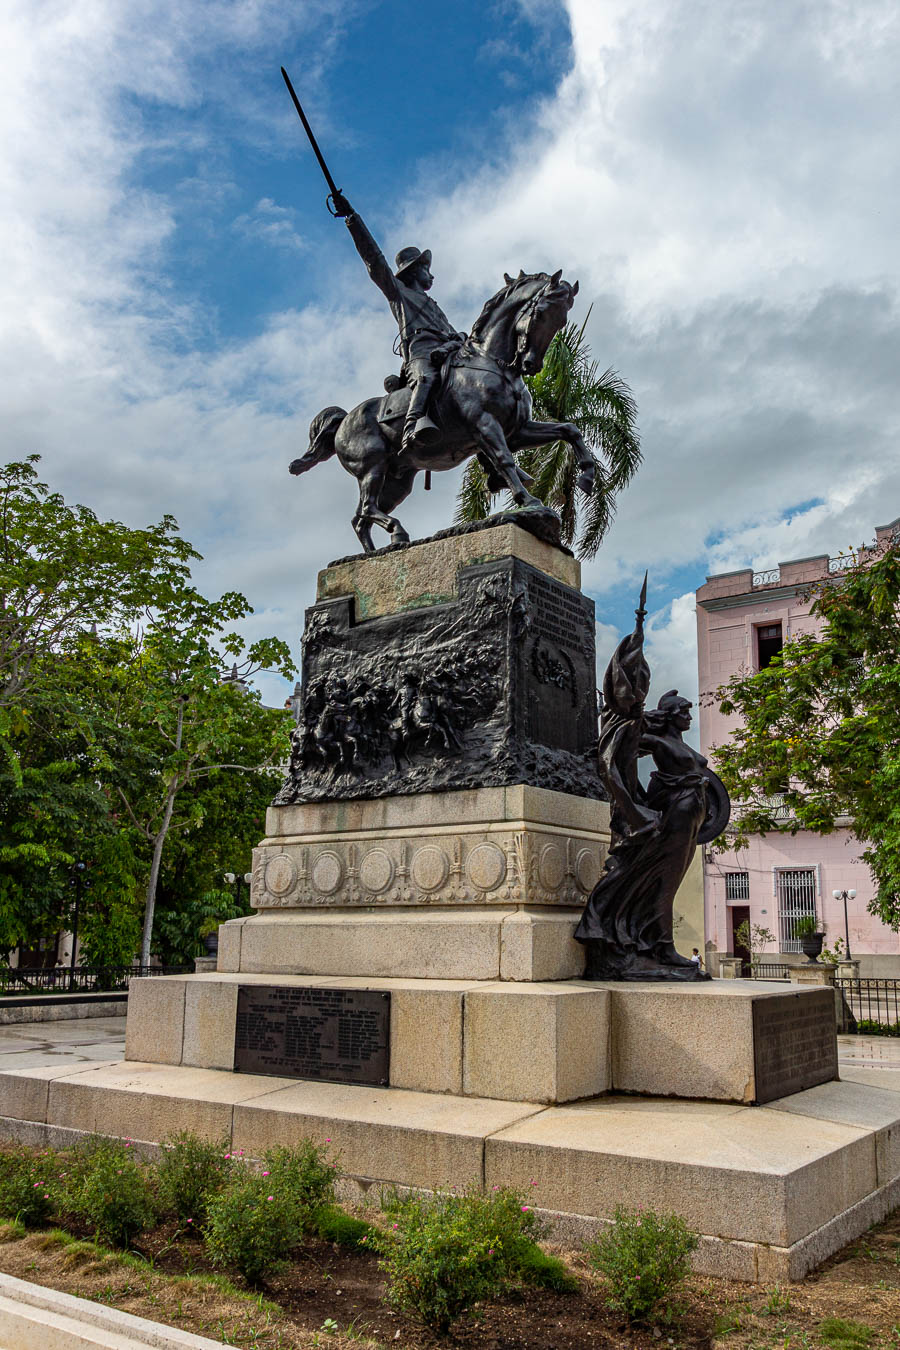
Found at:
[29, 1045]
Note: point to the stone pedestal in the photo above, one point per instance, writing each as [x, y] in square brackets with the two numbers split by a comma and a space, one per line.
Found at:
[465, 661]
[813, 974]
[730, 967]
[481, 884]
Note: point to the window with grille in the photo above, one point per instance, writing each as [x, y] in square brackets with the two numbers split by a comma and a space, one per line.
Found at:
[795, 889]
[737, 888]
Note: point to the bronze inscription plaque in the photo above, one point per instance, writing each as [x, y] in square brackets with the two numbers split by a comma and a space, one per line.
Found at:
[342, 1035]
[794, 1043]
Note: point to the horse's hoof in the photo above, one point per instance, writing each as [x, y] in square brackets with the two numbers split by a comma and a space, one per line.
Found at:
[296, 466]
[586, 482]
[399, 537]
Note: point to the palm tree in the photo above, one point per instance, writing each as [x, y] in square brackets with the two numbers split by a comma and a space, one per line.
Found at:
[568, 389]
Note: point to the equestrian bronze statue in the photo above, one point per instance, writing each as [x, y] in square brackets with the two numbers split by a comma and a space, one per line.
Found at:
[458, 395]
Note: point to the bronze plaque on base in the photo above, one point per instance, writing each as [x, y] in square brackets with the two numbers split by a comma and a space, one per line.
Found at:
[342, 1035]
[794, 1043]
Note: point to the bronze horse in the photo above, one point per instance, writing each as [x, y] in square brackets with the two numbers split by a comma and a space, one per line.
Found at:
[482, 407]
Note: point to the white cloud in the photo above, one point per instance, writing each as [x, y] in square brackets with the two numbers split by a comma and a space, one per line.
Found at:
[721, 179]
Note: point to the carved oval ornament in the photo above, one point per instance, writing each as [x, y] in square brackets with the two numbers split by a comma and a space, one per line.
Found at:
[430, 868]
[281, 874]
[552, 867]
[486, 867]
[587, 869]
[327, 873]
[376, 871]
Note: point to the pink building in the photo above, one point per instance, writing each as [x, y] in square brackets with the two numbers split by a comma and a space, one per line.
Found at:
[743, 618]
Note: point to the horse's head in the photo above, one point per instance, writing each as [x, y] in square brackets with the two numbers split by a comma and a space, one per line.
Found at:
[523, 317]
[540, 318]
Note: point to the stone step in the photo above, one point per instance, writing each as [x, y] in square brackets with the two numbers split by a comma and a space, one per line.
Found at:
[773, 1189]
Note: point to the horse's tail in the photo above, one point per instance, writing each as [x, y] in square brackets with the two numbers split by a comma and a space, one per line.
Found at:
[322, 431]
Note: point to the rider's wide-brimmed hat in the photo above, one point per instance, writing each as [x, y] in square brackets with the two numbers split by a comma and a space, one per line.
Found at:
[408, 257]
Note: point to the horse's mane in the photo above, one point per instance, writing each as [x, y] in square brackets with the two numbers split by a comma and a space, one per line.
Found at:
[503, 294]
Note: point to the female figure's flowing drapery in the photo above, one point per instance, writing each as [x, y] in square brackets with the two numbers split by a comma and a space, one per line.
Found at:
[626, 926]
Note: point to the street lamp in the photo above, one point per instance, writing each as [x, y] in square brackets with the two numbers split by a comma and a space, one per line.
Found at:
[845, 896]
[238, 881]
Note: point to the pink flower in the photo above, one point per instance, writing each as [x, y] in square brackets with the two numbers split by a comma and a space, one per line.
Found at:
[265, 1174]
[190, 1220]
[270, 1197]
[525, 1209]
[327, 1141]
[227, 1156]
[36, 1185]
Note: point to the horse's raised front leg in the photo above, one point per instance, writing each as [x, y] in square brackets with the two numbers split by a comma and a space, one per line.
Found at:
[492, 443]
[542, 433]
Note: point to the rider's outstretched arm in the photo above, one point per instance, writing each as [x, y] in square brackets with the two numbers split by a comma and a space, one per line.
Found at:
[377, 264]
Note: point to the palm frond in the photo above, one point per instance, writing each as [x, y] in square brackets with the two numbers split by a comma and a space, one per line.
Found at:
[568, 388]
[474, 500]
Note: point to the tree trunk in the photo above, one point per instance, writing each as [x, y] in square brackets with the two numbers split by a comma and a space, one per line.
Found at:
[150, 905]
[158, 843]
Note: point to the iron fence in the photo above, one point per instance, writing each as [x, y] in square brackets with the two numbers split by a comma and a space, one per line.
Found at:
[868, 1005]
[83, 979]
[765, 970]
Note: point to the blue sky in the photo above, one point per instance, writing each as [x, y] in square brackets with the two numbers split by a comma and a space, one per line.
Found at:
[721, 178]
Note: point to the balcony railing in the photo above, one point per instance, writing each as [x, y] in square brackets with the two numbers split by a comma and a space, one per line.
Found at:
[769, 578]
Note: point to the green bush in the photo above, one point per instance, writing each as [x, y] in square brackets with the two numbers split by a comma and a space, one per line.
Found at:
[866, 1027]
[112, 1191]
[252, 1225]
[302, 1174]
[29, 1186]
[190, 1172]
[442, 1255]
[644, 1256]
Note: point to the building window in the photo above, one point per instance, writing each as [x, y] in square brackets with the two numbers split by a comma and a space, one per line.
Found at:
[737, 888]
[796, 893]
[769, 643]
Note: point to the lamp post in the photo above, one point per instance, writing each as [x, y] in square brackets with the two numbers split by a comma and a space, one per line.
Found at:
[237, 882]
[845, 896]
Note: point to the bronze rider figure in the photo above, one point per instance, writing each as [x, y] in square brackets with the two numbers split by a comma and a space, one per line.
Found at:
[426, 334]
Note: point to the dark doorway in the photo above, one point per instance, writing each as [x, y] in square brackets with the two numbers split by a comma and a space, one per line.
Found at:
[739, 914]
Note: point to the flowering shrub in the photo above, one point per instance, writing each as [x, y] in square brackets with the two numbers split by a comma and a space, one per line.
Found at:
[190, 1172]
[112, 1191]
[304, 1175]
[644, 1256]
[252, 1225]
[444, 1254]
[28, 1186]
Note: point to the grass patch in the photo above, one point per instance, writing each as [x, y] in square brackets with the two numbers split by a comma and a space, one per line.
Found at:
[539, 1268]
[333, 1225]
[841, 1334]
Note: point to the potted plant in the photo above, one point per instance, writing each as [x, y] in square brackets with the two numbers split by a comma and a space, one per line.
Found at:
[811, 939]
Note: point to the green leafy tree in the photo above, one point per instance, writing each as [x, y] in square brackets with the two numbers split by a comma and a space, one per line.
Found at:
[819, 727]
[63, 569]
[569, 389]
[179, 716]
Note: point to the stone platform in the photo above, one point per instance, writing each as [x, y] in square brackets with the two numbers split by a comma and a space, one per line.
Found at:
[774, 1190]
[727, 1040]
